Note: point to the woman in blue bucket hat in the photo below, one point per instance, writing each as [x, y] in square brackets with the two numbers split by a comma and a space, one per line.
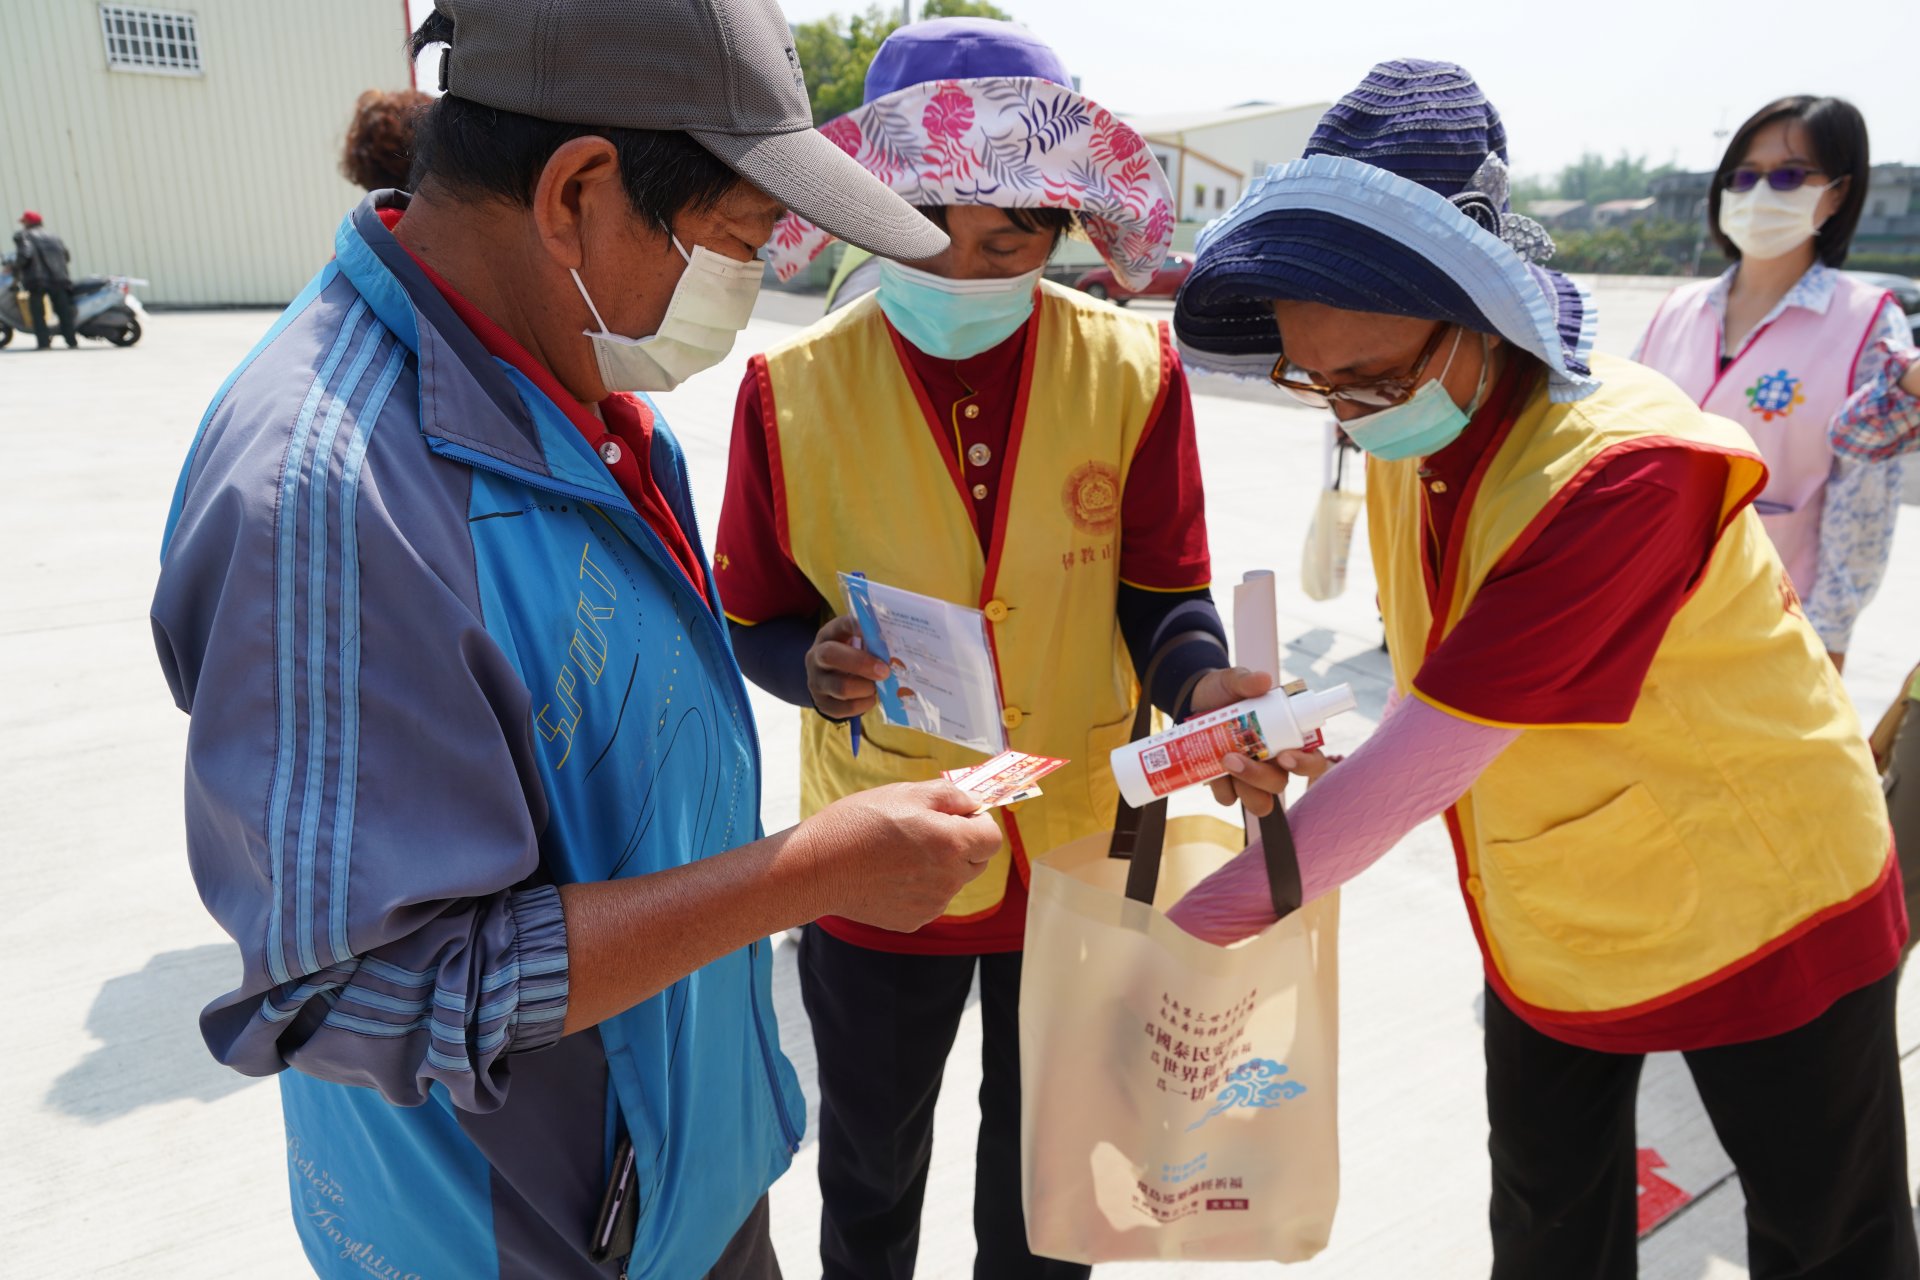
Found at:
[1668, 830]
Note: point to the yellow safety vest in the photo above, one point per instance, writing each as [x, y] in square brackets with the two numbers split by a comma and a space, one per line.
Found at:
[1612, 869]
[863, 486]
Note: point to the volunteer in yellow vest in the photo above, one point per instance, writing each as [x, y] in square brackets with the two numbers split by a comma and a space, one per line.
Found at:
[1669, 832]
[971, 432]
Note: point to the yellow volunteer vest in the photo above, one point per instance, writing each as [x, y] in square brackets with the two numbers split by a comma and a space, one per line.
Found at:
[1610, 869]
[865, 488]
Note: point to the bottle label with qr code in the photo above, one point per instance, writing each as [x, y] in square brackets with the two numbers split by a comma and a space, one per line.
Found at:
[1200, 755]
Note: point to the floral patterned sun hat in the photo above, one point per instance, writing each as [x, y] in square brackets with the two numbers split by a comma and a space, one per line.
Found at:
[974, 111]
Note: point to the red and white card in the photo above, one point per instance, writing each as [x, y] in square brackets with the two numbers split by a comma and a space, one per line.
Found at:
[1008, 778]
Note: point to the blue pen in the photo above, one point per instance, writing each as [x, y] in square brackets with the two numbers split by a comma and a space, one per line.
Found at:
[853, 725]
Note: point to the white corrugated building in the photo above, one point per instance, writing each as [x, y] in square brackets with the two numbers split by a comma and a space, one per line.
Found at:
[1210, 156]
[197, 147]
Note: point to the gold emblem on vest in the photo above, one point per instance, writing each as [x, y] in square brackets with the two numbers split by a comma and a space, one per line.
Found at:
[1091, 497]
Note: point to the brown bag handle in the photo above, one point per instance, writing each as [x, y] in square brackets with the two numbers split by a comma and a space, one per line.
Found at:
[1140, 835]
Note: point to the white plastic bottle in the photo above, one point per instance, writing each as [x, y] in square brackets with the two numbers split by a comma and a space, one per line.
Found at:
[1260, 728]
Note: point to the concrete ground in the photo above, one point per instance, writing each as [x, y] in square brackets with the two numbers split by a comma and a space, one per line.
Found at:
[125, 1150]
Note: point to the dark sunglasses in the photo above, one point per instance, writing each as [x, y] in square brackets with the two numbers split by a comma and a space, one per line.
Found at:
[1788, 177]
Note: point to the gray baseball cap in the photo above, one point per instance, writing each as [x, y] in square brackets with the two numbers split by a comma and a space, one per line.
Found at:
[722, 71]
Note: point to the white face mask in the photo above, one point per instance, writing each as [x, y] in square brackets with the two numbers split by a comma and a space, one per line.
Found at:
[1764, 223]
[710, 305]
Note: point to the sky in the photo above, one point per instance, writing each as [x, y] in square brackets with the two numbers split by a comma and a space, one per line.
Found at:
[1650, 77]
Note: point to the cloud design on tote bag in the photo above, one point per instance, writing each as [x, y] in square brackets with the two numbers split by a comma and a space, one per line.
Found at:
[1257, 1082]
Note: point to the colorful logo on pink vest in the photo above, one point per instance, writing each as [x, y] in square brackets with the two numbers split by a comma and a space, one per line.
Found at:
[1773, 395]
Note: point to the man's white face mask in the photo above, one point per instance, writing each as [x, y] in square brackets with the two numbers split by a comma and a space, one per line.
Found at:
[710, 305]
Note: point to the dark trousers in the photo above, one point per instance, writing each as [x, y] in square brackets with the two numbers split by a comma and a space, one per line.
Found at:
[61, 296]
[1812, 1119]
[749, 1255]
[883, 1025]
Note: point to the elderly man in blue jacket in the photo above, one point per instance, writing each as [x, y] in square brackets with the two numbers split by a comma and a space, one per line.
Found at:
[472, 777]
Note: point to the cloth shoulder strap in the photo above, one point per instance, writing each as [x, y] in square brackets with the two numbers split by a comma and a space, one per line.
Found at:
[1140, 835]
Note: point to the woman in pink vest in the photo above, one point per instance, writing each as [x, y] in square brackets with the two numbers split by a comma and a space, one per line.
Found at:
[1782, 339]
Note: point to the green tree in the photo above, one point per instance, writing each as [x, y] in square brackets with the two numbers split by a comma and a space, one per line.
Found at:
[963, 9]
[1593, 178]
[835, 51]
[1642, 249]
[1527, 188]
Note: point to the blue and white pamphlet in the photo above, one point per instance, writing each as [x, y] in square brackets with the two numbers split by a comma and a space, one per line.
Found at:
[941, 680]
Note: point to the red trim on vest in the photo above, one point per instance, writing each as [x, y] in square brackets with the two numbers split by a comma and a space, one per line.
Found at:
[1853, 368]
[776, 469]
[1507, 404]
[1002, 509]
[1722, 370]
[1003, 504]
[1657, 341]
[1166, 382]
[1873, 321]
[925, 402]
[1538, 1016]
[970, 936]
[1545, 1019]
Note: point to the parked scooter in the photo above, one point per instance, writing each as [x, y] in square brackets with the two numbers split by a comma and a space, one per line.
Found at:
[104, 307]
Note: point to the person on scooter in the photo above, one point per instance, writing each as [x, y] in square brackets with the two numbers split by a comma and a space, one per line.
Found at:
[41, 260]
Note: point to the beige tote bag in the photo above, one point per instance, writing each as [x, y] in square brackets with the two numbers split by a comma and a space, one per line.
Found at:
[1323, 559]
[1179, 1098]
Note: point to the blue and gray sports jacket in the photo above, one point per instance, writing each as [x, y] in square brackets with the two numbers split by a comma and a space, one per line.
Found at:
[436, 667]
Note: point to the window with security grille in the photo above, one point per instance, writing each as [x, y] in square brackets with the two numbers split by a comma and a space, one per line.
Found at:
[160, 41]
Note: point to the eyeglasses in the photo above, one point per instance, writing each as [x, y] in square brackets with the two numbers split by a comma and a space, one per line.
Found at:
[1788, 177]
[1374, 393]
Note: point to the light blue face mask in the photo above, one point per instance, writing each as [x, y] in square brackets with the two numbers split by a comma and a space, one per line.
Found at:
[954, 319]
[1425, 423]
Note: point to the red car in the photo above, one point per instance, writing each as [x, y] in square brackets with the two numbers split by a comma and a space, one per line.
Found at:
[1165, 283]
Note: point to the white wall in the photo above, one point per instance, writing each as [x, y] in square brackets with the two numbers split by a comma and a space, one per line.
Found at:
[1255, 143]
[1217, 188]
[1213, 152]
[221, 188]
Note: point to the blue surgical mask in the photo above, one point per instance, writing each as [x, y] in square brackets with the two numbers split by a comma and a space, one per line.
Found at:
[954, 319]
[1423, 424]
